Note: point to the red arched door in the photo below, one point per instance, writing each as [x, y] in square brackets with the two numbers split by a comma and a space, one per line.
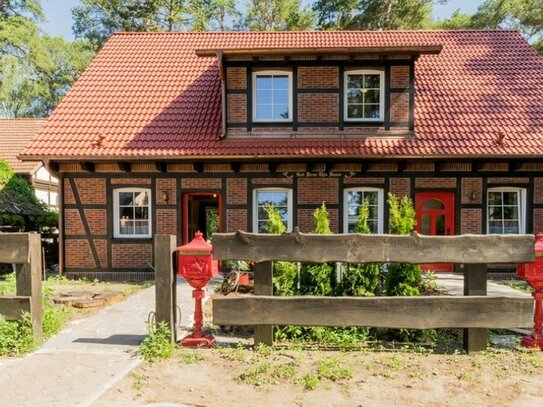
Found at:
[435, 216]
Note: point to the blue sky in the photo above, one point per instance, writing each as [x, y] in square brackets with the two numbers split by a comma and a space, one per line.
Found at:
[59, 18]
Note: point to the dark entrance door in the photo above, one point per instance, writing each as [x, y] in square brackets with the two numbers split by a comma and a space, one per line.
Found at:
[201, 212]
[435, 216]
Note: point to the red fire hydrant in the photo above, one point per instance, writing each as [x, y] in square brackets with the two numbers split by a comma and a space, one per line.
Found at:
[533, 274]
[196, 266]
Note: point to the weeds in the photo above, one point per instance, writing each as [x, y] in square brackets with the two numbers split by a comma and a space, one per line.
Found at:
[139, 381]
[16, 337]
[157, 344]
[257, 375]
[189, 357]
[309, 381]
[334, 369]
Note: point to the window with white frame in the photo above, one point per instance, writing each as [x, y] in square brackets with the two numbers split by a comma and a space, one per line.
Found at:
[278, 198]
[353, 199]
[364, 95]
[272, 96]
[506, 210]
[132, 208]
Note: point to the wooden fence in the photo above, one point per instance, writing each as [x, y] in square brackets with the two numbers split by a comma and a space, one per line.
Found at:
[475, 311]
[23, 250]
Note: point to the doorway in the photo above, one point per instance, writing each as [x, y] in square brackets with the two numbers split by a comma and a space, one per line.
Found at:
[201, 212]
[435, 217]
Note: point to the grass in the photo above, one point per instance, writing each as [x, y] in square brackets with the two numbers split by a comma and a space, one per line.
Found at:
[517, 285]
[189, 357]
[157, 344]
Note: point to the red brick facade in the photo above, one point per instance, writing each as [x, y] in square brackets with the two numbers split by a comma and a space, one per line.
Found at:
[317, 190]
[319, 77]
[318, 107]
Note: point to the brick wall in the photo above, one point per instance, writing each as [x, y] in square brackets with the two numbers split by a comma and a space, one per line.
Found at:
[236, 108]
[101, 250]
[168, 186]
[236, 191]
[97, 221]
[305, 220]
[472, 190]
[399, 76]
[201, 183]
[318, 190]
[236, 219]
[399, 107]
[78, 254]
[471, 221]
[435, 183]
[72, 222]
[166, 221]
[91, 190]
[318, 77]
[68, 194]
[538, 190]
[236, 78]
[130, 255]
[400, 186]
[538, 220]
[318, 107]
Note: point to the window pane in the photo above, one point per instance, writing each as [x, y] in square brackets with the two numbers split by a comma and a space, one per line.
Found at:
[371, 96]
[263, 96]
[354, 199]
[510, 198]
[354, 111]
[141, 199]
[126, 212]
[494, 198]
[276, 198]
[263, 112]
[510, 212]
[142, 213]
[373, 212]
[126, 227]
[262, 227]
[355, 96]
[433, 204]
[425, 227]
[511, 226]
[263, 82]
[495, 226]
[371, 111]
[372, 197]
[125, 198]
[371, 81]
[280, 82]
[372, 224]
[355, 81]
[141, 227]
[280, 97]
[495, 212]
[280, 112]
[440, 225]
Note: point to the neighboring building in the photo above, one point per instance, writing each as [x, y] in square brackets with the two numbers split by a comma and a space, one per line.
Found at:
[15, 135]
[165, 131]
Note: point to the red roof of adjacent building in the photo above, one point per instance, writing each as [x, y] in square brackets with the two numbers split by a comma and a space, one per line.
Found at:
[148, 95]
[15, 135]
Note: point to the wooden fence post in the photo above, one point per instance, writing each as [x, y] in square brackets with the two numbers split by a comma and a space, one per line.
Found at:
[28, 279]
[165, 282]
[264, 286]
[475, 283]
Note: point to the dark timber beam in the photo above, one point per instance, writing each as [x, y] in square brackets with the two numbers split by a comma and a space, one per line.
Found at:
[235, 166]
[272, 167]
[515, 165]
[198, 167]
[475, 284]
[161, 166]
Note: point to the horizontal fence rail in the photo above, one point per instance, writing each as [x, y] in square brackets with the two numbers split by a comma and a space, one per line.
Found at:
[384, 312]
[12, 307]
[357, 248]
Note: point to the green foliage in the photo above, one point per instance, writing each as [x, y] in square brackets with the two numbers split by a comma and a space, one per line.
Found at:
[310, 381]
[16, 337]
[277, 15]
[316, 279]
[373, 14]
[275, 224]
[334, 369]
[8, 284]
[402, 279]
[157, 344]
[321, 221]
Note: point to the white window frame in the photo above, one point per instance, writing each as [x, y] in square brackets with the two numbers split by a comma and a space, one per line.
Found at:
[289, 206]
[381, 74]
[272, 72]
[116, 212]
[380, 206]
[521, 199]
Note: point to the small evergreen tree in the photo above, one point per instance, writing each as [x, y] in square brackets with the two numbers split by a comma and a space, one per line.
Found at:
[360, 279]
[402, 279]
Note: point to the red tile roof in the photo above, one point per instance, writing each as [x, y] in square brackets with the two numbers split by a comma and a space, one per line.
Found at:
[150, 95]
[15, 135]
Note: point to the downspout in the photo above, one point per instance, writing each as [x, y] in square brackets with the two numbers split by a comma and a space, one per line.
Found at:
[58, 175]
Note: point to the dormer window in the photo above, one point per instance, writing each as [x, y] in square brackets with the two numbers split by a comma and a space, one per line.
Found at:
[272, 96]
[364, 95]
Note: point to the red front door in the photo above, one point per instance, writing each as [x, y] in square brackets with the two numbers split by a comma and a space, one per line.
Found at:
[435, 216]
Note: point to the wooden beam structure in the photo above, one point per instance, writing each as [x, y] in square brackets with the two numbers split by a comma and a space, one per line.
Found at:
[14, 248]
[165, 282]
[385, 312]
[12, 306]
[357, 248]
[263, 287]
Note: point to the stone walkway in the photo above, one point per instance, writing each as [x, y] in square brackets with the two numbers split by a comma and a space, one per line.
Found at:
[454, 284]
[89, 356]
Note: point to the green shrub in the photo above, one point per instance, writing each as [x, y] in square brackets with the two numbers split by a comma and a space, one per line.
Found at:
[360, 279]
[402, 279]
[8, 284]
[157, 344]
[16, 337]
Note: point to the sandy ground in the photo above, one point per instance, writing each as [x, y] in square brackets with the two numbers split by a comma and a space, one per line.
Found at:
[241, 377]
